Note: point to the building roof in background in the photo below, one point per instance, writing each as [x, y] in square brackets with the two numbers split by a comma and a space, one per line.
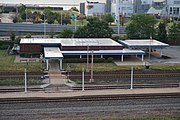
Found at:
[146, 43]
[158, 0]
[152, 10]
[72, 41]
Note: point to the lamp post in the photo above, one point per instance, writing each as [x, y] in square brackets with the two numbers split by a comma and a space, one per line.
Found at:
[87, 65]
[131, 77]
[150, 47]
[44, 26]
[82, 79]
[25, 81]
[61, 17]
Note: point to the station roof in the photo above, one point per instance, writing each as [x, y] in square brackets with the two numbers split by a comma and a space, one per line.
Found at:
[52, 53]
[72, 41]
[143, 44]
[106, 52]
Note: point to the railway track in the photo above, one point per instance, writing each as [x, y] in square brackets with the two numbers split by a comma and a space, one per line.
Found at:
[116, 75]
[4, 90]
[89, 98]
[125, 86]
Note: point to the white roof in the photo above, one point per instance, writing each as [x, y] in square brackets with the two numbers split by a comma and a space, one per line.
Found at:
[52, 52]
[145, 42]
[152, 10]
[72, 41]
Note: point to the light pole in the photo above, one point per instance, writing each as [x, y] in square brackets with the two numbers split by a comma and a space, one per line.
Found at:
[61, 17]
[92, 67]
[44, 26]
[150, 47]
[82, 79]
[75, 22]
[26, 14]
[118, 17]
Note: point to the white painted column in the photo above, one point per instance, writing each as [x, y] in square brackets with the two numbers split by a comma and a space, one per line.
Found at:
[101, 56]
[122, 58]
[80, 56]
[142, 57]
[47, 64]
[136, 56]
[60, 65]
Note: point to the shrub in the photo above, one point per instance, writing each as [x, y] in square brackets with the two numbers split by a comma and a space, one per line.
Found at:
[84, 60]
[28, 35]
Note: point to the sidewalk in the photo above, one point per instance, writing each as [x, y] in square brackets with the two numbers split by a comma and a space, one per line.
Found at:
[88, 93]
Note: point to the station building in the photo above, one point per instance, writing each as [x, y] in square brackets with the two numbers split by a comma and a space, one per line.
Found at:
[79, 47]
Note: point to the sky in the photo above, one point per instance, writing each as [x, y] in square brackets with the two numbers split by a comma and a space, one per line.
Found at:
[46, 1]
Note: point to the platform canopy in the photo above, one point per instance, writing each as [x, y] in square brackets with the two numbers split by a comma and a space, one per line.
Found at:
[143, 44]
[106, 52]
[52, 53]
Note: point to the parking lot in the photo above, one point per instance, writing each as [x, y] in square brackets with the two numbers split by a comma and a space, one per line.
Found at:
[172, 52]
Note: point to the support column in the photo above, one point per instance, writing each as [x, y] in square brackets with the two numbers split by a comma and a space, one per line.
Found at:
[101, 56]
[80, 56]
[122, 58]
[60, 64]
[47, 64]
[136, 56]
[161, 53]
[142, 57]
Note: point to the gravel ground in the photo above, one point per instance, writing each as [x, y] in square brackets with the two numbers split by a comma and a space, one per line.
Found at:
[90, 109]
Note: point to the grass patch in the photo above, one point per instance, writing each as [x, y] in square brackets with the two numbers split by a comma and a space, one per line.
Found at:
[101, 67]
[165, 67]
[7, 63]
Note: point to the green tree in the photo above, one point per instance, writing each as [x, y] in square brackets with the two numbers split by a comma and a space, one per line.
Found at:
[22, 11]
[161, 32]
[74, 9]
[108, 18]
[66, 18]
[81, 17]
[94, 29]
[174, 32]
[36, 17]
[141, 26]
[49, 15]
[13, 36]
[66, 33]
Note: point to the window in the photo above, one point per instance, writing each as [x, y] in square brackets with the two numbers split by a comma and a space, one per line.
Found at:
[170, 12]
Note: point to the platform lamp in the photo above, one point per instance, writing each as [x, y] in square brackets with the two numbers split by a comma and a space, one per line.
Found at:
[25, 78]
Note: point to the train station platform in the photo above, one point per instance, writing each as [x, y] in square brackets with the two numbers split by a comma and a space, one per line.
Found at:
[62, 94]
